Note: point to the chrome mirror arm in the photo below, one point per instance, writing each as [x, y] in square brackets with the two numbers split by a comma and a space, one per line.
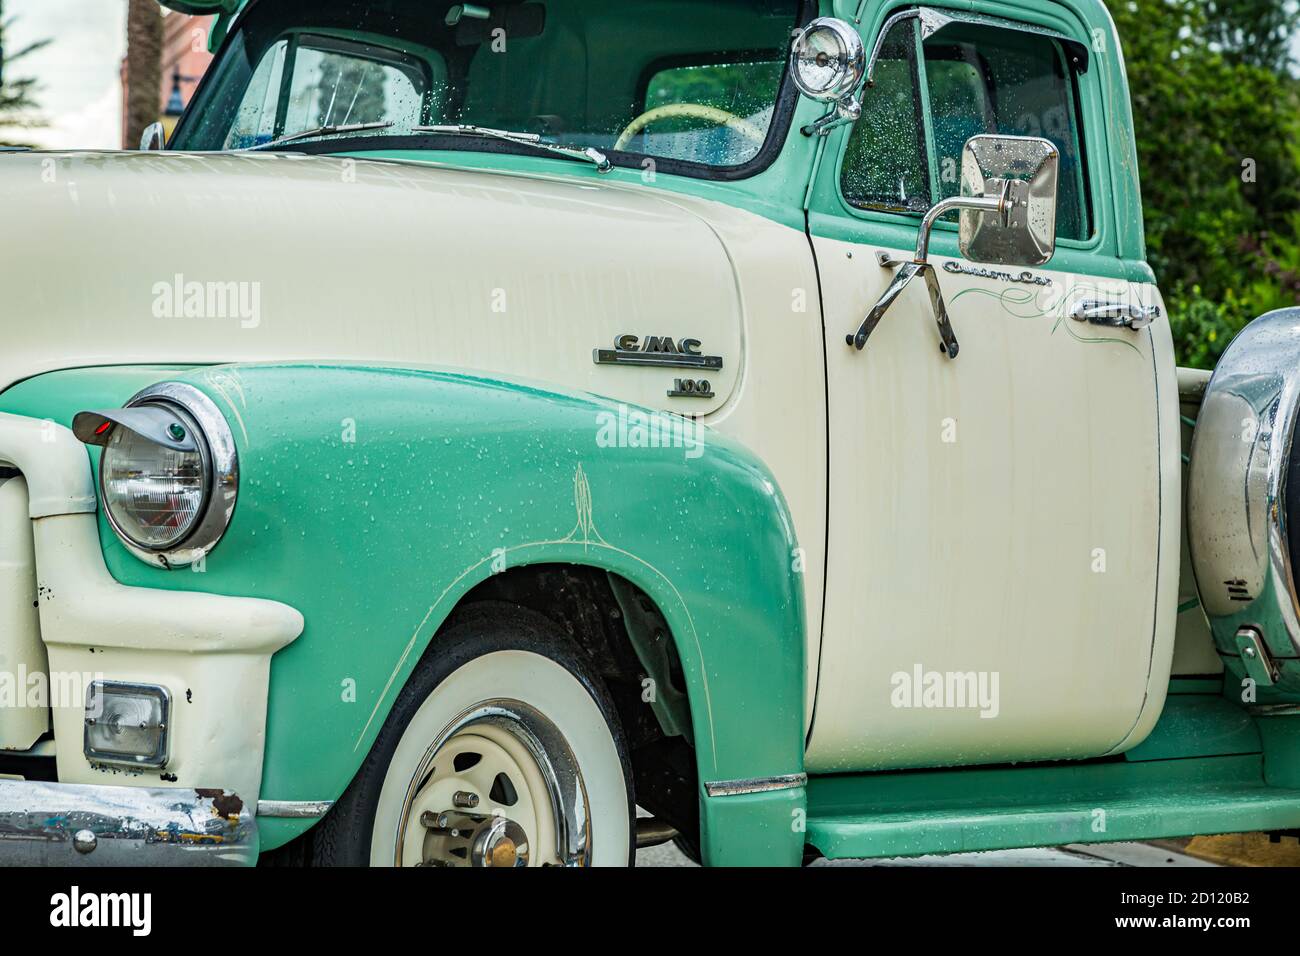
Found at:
[153, 138]
[920, 266]
[844, 112]
[902, 279]
[997, 204]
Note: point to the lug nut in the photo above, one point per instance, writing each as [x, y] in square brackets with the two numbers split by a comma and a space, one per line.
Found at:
[435, 821]
[465, 800]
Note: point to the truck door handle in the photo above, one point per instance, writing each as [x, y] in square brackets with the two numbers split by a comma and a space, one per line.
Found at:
[1117, 315]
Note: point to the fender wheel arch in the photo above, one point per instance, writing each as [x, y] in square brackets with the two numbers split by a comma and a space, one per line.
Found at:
[569, 614]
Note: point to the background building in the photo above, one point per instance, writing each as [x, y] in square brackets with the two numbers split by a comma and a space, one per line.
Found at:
[185, 58]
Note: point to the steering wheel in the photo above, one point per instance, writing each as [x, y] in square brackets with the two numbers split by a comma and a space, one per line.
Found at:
[691, 111]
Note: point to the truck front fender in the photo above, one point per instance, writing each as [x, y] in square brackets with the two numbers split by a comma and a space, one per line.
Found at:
[372, 500]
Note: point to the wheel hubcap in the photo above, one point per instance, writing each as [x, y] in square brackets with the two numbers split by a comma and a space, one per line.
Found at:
[500, 842]
[500, 787]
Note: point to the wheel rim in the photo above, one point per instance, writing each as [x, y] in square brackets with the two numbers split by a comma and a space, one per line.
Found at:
[499, 786]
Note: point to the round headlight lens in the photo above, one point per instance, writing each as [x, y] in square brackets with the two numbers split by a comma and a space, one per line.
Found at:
[154, 495]
[827, 60]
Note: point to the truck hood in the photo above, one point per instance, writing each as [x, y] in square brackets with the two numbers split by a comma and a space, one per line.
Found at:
[156, 258]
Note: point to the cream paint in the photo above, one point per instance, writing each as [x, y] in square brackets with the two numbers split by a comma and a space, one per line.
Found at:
[211, 652]
[977, 554]
[21, 650]
[361, 262]
[411, 263]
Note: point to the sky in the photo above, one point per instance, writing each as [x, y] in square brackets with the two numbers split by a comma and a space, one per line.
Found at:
[81, 89]
[81, 93]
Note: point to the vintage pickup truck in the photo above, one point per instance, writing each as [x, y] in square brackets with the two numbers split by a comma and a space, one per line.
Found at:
[481, 421]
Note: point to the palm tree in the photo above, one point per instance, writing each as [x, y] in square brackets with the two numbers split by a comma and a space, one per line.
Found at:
[17, 96]
[144, 43]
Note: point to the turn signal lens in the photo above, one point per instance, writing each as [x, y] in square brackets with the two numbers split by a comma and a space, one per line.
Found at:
[126, 724]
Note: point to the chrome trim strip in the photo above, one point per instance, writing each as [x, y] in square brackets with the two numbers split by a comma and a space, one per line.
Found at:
[732, 788]
[294, 809]
[656, 359]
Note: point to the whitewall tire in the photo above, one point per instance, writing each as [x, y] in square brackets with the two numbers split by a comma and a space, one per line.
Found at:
[503, 750]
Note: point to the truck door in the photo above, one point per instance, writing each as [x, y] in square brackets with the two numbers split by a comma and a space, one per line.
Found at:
[995, 518]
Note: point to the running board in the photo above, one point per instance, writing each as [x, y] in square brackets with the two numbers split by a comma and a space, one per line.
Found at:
[1011, 808]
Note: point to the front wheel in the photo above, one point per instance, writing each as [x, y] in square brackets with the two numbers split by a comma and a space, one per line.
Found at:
[503, 750]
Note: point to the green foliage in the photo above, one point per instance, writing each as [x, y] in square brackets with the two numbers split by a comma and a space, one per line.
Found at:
[1253, 31]
[1217, 112]
[17, 95]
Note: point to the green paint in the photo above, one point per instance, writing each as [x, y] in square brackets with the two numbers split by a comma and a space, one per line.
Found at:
[799, 179]
[203, 7]
[1200, 724]
[754, 829]
[375, 541]
[1207, 767]
[999, 809]
[1117, 250]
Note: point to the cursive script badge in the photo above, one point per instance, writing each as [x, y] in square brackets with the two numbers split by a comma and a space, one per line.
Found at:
[1026, 278]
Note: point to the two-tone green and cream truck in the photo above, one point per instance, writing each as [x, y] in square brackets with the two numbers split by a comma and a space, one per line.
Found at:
[481, 421]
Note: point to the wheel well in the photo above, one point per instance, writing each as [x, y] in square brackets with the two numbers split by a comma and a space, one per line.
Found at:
[627, 638]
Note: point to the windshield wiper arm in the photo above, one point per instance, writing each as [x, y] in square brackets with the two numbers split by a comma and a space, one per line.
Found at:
[320, 131]
[585, 154]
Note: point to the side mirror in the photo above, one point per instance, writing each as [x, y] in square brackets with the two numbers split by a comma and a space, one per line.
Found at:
[1008, 217]
[828, 63]
[153, 138]
[1022, 172]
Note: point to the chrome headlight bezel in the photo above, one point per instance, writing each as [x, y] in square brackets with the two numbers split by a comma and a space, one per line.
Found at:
[220, 461]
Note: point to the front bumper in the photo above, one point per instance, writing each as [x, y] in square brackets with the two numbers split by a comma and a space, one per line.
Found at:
[211, 652]
[59, 824]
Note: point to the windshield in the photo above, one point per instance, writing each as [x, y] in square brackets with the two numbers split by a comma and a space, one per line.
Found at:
[691, 82]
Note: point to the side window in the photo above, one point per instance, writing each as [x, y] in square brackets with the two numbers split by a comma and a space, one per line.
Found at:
[973, 79]
[886, 165]
[255, 118]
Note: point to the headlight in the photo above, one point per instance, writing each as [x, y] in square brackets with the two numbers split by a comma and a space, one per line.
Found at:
[168, 473]
[154, 494]
[828, 60]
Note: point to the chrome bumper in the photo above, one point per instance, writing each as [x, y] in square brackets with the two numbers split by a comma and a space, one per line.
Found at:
[57, 824]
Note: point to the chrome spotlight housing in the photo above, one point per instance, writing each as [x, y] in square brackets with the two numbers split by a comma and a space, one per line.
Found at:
[828, 63]
[828, 60]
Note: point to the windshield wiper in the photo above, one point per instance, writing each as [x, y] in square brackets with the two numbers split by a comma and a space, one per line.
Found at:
[584, 154]
[320, 131]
